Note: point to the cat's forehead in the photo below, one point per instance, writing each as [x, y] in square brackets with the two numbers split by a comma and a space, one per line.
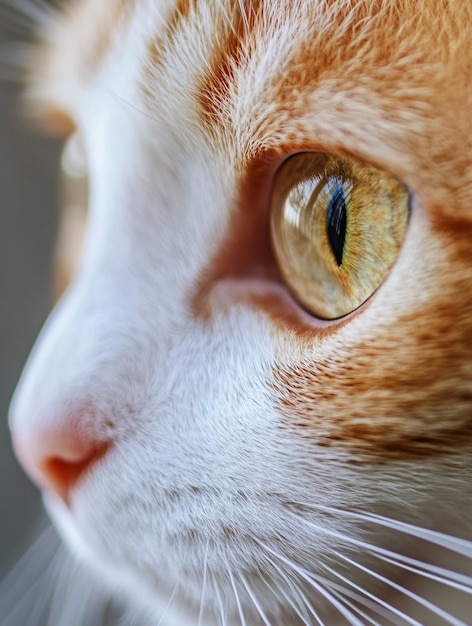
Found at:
[387, 82]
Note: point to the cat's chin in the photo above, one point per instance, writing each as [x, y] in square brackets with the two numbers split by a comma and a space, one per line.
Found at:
[147, 596]
[152, 595]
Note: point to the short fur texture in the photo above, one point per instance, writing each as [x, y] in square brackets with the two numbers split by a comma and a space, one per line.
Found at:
[252, 464]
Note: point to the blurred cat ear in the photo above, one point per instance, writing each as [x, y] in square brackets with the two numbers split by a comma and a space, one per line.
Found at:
[73, 214]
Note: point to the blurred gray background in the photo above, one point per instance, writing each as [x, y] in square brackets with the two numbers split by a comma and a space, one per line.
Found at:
[28, 211]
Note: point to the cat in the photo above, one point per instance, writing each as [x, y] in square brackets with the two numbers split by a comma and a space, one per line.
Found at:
[253, 403]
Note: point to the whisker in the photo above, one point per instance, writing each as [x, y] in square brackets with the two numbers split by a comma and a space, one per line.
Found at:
[355, 608]
[236, 596]
[255, 602]
[310, 608]
[447, 577]
[303, 597]
[222, 609]
[136, 109]
[28, 582]
[299, 610]
[38, 13]
[376, 604]
[411, 594]
[131, 617]
[310, 578]
[455, 544]
[16, 22]
[76, 599]
[58, 604]
[33, 602]
[338, 604]
[443, 540]
[168, 605]
[32, 563]
[15, 58]
[432, 572]
[202, 597]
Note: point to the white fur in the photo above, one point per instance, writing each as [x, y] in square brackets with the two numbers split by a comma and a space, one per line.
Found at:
[200, 473]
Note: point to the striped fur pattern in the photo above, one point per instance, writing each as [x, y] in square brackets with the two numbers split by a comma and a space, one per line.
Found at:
[261, 466]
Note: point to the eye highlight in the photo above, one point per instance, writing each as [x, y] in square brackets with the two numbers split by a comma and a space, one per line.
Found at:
[337, 226]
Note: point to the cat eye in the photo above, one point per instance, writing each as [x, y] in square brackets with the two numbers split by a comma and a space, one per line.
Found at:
[337, 226]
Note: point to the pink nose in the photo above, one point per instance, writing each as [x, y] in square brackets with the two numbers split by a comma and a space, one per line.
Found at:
[57, 458]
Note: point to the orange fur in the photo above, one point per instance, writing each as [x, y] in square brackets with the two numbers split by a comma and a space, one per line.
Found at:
[404, 101]
[238, 423]
[387, 82]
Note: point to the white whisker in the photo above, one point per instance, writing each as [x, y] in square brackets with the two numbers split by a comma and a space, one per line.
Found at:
[132, 107]
[369, 600]
[132, 617]
[60, 607]
[452, 579]
[30, 566]
[443, 540]
[455, 544]
[432, 572]
[238, 601]
[310, 608]
[255, 602]
[414, 596]
[303, 597]
[338, 604]
[29, 584]
[221, 607]
[37, 13]
[34, 601]
[355, 608]
[76, 599]
[202, 597]
[167, 607]
[311, 579]
[299, 610]
[16, 20]
[15, 58]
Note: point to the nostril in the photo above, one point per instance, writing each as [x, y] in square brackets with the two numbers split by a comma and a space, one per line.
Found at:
[61, 475]
[57, 455]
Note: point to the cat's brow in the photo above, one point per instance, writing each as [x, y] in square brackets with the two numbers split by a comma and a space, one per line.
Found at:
[336, 81]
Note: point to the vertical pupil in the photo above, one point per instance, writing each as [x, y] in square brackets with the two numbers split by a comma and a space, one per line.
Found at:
[336, 222]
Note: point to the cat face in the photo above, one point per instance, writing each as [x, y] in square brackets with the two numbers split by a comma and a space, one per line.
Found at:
[200, 431]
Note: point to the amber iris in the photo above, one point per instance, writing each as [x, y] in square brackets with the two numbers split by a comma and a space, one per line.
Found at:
[337, 227]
